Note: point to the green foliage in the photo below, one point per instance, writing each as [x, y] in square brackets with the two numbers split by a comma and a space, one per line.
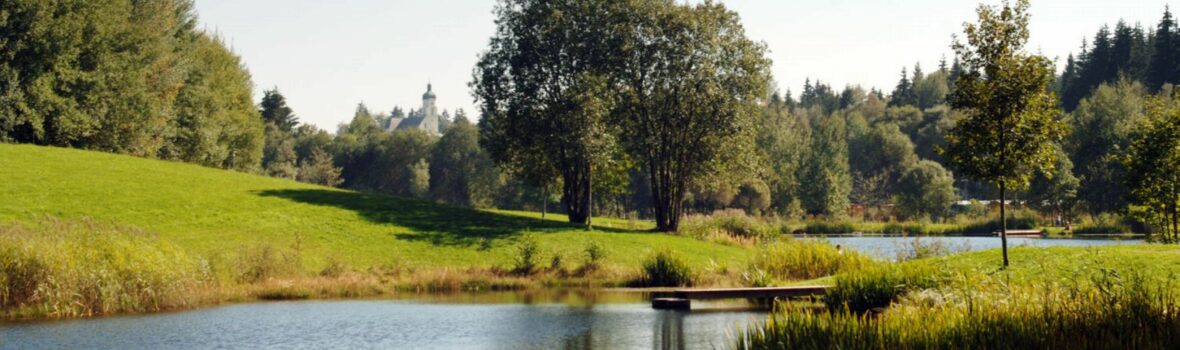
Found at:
[133, 77]
[1011, 121]
[1102, 127]
[926, 189]
[1152, 160]
[665, 269]
[803, 259]
[274, 111]
[595, 254]
[527, 254]
[826, 174]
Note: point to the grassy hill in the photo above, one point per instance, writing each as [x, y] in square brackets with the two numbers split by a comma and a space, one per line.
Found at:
[209, 211]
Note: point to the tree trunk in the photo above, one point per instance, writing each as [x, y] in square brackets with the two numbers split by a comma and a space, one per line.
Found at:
[1003, 222]
[589, 197]
[576, 193]
[544, 200]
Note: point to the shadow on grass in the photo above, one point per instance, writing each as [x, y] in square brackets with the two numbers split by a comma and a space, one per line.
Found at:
[434, 223]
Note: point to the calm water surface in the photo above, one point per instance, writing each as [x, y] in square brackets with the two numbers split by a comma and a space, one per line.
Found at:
[397, 324]
[887, 246]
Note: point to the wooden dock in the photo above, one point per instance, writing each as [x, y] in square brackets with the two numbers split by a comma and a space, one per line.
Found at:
[681, 299]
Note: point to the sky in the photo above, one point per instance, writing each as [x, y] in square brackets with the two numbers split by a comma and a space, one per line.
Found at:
[327, 56]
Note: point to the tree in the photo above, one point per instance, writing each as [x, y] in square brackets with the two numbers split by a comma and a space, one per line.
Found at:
[826, 175]
[691, 85]
[1010, 122]
[1152, 160]
[926, 188]
[1055, 192]
[274, 110]
[1101, 131]
[782, 141]
[456, 163]
[543, 92]
[319, 169]
[1165, 58]
[903, 93]
[877, 160]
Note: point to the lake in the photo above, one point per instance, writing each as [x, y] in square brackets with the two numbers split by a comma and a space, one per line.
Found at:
[886, 247]
[535, 320]
[624, 322]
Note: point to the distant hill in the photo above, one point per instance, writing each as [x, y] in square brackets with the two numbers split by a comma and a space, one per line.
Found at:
[209, 210]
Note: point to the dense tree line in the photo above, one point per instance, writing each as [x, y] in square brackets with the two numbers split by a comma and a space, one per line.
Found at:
[1151, 57]
[124, 76]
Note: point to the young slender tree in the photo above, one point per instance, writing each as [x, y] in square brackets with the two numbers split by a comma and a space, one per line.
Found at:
[1011, 117]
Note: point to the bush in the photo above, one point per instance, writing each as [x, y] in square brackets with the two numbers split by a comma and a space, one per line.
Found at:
[266, 261]
[725, 225]
[993, 225]
[594, 256]
[527, 252]
[665, 269]
[801, 259]
[335, 268]
[1104, 223]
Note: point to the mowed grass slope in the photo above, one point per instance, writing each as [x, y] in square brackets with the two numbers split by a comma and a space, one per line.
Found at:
[211, 212]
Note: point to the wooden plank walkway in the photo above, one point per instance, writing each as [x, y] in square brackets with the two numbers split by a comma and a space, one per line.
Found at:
[680, 299]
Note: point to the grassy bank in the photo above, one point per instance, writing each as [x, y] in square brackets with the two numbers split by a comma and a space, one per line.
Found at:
[1108, 297]
[208, 211]
[90, 233]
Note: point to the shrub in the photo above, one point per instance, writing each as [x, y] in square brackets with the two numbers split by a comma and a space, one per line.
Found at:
[594, 256]
[725, 225]
[1104, 223]
[665, 269]
[266, 261]
[334, 268]
[800, 259]
[527, 252]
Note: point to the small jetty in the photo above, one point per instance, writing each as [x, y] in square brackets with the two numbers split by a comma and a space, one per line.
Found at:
[681, 299]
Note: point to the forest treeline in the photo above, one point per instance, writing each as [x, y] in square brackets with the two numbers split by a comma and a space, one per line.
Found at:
[138, 77]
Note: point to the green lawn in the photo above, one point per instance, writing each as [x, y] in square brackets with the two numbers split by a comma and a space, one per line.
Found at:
[209, 211]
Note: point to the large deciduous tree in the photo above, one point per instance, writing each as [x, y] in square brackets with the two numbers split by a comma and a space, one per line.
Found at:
[1011, 116]
[691, 83]
[544, 93]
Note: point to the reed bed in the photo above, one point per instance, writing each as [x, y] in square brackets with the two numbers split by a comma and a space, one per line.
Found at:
[919, 306]
[802, 259]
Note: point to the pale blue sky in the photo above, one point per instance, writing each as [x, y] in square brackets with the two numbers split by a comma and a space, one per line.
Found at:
[326, 56]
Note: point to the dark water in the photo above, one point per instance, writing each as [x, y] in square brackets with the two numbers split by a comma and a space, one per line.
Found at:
[887, 247]
[397, 324]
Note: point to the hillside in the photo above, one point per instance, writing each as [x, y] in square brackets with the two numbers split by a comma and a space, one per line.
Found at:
[210, 211]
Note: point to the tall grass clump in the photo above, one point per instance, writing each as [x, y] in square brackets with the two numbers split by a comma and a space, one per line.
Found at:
[919, 248]
[801, 259]
[266, 261]
[59, 268]
[665, 269]
[1104, 223]
[726, 226]
[1112, 313]
[830, 228]
[877, 287]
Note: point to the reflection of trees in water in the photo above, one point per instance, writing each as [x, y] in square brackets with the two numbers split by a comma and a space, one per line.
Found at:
[669, 330]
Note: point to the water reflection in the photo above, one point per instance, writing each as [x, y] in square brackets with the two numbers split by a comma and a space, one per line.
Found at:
[594, 320]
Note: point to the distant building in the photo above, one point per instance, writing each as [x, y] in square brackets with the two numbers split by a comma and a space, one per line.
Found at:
[425, 119]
